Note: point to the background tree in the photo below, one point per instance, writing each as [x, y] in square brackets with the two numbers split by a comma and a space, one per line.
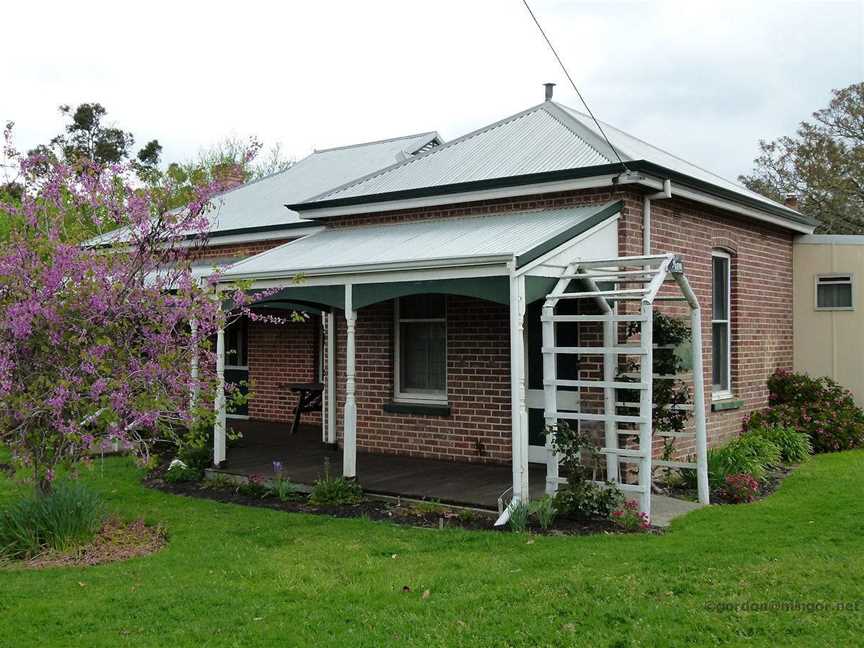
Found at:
[86, 136]
[822, 165]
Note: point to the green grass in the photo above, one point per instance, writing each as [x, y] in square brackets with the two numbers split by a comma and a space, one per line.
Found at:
[234, 576]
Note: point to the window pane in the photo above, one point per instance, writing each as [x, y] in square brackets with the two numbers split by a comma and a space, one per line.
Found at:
[421, 307]
[834, 295]
[422, 356]
[235, 344]
[720, 356]
[721, 288]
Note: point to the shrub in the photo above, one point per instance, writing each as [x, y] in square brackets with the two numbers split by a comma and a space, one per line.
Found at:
[197, 457]
[178, 471]
[519, 514]
[739, 488]
[586, 499]
[629, 518]
[65, 519]
[331, 491]
[759, 448]
[794, 446]
[820, 407]
[255, 486]
[581, 496]
[749, 454]
[285, 490]
[544, 509]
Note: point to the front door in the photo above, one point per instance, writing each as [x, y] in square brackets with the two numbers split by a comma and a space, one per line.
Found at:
[567, 334]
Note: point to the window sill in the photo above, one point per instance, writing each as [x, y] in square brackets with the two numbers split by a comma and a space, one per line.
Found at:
[726, 404]
[420, 409]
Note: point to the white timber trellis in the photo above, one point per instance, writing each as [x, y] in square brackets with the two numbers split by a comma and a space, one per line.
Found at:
[630, 280]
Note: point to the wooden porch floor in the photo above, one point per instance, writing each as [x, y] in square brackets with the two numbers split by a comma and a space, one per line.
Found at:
[303, 458]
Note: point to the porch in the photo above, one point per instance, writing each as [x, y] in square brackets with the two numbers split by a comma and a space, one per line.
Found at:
[303, 457]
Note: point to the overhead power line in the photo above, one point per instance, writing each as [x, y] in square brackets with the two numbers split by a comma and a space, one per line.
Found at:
[572, 83]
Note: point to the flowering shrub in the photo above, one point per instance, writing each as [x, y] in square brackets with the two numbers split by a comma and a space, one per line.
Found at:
[818, 406]
[739, 488]
[96, 340]
[629, 518]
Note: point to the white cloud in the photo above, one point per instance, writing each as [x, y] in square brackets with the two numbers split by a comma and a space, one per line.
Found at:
[703, 80]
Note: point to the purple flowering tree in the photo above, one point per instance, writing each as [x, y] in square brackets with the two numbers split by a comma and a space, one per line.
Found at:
[96, 335]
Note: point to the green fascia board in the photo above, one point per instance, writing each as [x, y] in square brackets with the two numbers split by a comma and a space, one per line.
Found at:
[553, 176]
[550, 244]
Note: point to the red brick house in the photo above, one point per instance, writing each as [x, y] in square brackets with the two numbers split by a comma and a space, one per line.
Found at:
[425, 280]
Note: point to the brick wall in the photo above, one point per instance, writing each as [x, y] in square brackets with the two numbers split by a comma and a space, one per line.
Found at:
[478, 385]
[761, 296]
[280, 354]
[761, 319]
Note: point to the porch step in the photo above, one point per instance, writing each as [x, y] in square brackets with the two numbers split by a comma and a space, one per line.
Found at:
[619, 350]
[592, 318]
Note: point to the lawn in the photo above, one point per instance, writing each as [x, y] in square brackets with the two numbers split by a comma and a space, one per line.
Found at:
[235, 576]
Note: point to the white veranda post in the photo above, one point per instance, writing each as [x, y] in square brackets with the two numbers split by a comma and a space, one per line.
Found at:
[518, 403]
[624, 280]
[328, 322]
[349, 446]
[219, 405]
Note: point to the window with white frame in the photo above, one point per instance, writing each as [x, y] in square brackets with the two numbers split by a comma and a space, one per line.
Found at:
[834, 292]
[421, 348]
[721, 320]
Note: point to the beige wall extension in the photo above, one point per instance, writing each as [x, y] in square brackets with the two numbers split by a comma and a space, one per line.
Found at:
[828, 309]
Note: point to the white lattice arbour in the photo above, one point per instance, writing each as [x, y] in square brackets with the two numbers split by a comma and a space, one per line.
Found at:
[632, 279]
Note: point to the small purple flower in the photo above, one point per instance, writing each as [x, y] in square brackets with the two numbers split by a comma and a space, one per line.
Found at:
[277, 467]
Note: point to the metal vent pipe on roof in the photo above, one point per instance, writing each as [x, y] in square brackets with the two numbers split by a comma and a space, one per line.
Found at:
[550, 88]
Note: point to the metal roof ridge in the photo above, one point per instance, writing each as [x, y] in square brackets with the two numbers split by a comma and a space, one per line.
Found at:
[569, 110]
[587, 135]
[430, 134]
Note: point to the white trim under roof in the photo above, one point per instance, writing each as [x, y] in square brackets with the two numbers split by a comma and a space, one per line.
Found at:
[830, 239]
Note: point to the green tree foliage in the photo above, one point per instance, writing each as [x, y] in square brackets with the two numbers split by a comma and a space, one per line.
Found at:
[822, 164]
[87, 136]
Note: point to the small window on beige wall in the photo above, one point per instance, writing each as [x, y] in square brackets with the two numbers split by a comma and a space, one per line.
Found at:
[834, 292]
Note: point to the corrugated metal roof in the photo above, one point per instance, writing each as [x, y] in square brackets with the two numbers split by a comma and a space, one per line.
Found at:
[262, 203]
[424, 242]
[547, 137]
[633, 148]
[532, 141]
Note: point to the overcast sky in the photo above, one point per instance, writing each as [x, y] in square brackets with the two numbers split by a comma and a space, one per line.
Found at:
[704, 80]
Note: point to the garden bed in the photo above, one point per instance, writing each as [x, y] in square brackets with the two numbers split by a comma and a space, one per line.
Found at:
[429, 515]
[115, 541]
[773, 479]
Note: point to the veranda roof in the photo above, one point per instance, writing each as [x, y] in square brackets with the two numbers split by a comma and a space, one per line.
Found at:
[500, 238]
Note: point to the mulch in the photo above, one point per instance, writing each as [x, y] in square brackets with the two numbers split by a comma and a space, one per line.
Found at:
[428, 516]
[115, 541]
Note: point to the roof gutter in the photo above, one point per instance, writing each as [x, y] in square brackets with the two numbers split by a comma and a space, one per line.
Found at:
[802, 224]
[642, 172]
